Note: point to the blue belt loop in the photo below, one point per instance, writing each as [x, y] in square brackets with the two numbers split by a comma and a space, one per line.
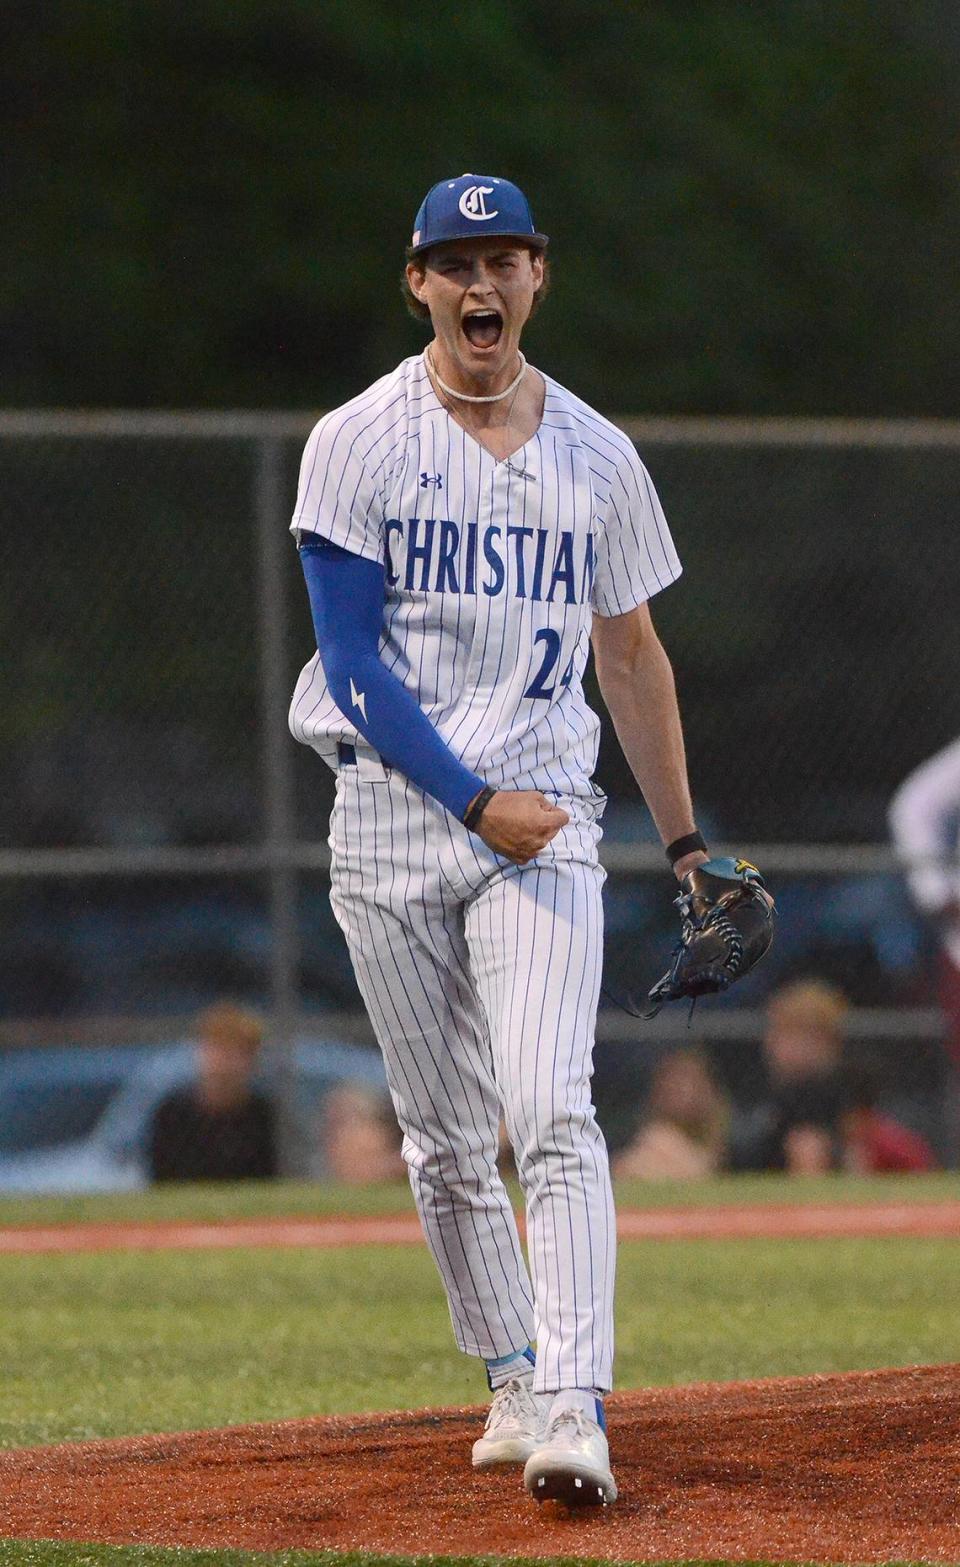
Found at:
[346, 754]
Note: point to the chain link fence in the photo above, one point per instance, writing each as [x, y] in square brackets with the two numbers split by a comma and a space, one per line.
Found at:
[162, 839]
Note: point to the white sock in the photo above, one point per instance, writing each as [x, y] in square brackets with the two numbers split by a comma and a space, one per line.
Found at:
[515, 1367]
[587, 1399]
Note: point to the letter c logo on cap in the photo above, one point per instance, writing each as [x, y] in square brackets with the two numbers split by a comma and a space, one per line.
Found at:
[473, 205]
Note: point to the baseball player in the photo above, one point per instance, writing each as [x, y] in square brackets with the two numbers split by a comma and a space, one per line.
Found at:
[465, 527]
[925, 822]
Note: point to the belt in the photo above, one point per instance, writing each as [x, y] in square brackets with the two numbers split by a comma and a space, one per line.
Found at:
[346, 754]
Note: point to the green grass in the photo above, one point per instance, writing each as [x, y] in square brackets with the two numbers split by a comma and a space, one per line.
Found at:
[111, 1344]
[117, 1343]
[253, 1199]
[242, 1200]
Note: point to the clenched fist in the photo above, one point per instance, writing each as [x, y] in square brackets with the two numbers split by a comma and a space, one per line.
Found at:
[518, 823]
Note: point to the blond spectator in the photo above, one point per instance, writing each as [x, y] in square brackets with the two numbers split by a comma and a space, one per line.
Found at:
[803, 1037]
[796, 1126]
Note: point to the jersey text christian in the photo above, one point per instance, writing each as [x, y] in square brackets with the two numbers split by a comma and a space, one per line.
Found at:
[493, 569]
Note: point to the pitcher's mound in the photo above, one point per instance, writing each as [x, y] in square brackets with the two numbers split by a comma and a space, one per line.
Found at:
[855, 1468]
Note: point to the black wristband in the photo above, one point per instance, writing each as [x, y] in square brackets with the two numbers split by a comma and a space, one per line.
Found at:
[688, 844]
[472, 818]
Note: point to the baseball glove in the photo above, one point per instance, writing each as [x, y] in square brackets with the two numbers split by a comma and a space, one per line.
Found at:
[726, 919]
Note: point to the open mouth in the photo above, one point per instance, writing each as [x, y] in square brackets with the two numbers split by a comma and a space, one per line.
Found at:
[482, 328]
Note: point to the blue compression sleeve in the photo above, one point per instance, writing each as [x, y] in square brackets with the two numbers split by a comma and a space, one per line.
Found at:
[346, 601]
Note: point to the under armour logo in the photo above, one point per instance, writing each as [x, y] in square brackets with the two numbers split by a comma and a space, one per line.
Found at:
[426, 479]
[358, 698]
[473, 205]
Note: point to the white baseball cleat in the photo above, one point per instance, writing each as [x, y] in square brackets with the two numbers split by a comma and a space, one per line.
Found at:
[515, 1426]
[572, 1463]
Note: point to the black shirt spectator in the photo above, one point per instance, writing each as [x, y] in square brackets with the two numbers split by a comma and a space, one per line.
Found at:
[795, 1124]
[189, 1141]
[219, 1128]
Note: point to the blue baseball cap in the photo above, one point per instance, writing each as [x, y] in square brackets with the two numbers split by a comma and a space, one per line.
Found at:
[474, 204]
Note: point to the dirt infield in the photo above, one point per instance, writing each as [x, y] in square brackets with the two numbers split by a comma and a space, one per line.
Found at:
[862, 1467]
[760, 1219]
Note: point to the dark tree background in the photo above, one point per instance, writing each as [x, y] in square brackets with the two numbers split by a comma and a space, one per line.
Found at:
[754, 208]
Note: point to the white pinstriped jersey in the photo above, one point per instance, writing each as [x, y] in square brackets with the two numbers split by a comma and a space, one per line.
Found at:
[494, 569]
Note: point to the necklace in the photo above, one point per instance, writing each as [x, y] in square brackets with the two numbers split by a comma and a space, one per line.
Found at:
[465, 397]
[514, 387]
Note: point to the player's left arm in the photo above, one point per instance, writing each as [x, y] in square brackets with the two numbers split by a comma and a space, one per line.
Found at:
[638, 688]
[726, 912]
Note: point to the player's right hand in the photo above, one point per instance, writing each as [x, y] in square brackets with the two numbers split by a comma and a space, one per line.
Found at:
[518, 823]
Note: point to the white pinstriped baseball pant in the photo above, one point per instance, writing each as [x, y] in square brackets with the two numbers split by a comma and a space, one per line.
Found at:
[481, 979]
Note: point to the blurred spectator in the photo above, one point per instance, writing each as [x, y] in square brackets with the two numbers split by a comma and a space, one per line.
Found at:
[806, 1134]
[683, 1134]
[818, 1114]
[796, 1125]
[803, 1038]
[219, 1128]
[359, 1137]
[925, 822]
[875, 1143]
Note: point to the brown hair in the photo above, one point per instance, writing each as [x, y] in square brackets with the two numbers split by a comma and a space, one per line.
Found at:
[711, 1127]
[419, 311]
[230, 1025]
